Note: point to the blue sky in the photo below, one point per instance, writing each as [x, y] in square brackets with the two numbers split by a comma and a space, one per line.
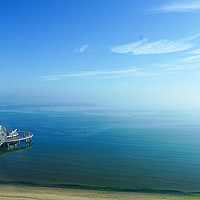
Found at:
[132, 53]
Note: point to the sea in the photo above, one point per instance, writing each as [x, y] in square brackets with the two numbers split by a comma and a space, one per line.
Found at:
[103, 147]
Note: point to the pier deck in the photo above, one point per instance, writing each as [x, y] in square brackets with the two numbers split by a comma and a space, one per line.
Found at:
[27, 136]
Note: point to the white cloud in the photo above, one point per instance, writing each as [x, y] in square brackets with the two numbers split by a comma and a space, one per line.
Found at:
[180, 65]
[176, 68]
[193, 37]
[180, 6]
[195, 58]
[103, 74]
[156, 47]
[81, 49]
[196, 51]
[126, 48]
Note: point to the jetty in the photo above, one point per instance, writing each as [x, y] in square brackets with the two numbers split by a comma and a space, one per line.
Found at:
[26, 137]
[14, 137]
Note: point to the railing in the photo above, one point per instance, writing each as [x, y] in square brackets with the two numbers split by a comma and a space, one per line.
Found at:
[20, 138]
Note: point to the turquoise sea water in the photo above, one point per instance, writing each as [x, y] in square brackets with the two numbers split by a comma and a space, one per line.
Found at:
[95, 146]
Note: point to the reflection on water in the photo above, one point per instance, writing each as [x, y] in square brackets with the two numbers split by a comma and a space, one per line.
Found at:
[14, 148]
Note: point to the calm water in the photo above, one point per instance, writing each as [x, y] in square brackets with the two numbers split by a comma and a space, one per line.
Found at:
[101, 146]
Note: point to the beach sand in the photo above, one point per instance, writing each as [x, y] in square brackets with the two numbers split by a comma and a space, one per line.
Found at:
[15, 192]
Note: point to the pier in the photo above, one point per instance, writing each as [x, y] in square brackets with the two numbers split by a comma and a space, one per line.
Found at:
[25, 136]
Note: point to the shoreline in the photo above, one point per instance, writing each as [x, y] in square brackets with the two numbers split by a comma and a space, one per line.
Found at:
[22, 192]
[100, 188]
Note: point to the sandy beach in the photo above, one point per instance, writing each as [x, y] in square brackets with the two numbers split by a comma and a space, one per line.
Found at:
[44, 193]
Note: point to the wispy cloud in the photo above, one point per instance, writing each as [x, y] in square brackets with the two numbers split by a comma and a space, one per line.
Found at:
[192, 59]
[81, 49]
[103, 74]
[127, 48]
[188, 63]
[180, 67]
[196, 51]
[180, 6]
[156, 47]
[193, 37]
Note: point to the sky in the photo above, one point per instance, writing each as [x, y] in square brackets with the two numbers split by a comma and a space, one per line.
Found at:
[129, 53]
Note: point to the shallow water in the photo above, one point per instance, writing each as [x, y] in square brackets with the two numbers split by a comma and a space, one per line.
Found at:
[102, 146]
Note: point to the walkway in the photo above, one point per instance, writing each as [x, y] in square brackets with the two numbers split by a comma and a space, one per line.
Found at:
[26, 136]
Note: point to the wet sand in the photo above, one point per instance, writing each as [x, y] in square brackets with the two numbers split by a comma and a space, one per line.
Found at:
[44, 193]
